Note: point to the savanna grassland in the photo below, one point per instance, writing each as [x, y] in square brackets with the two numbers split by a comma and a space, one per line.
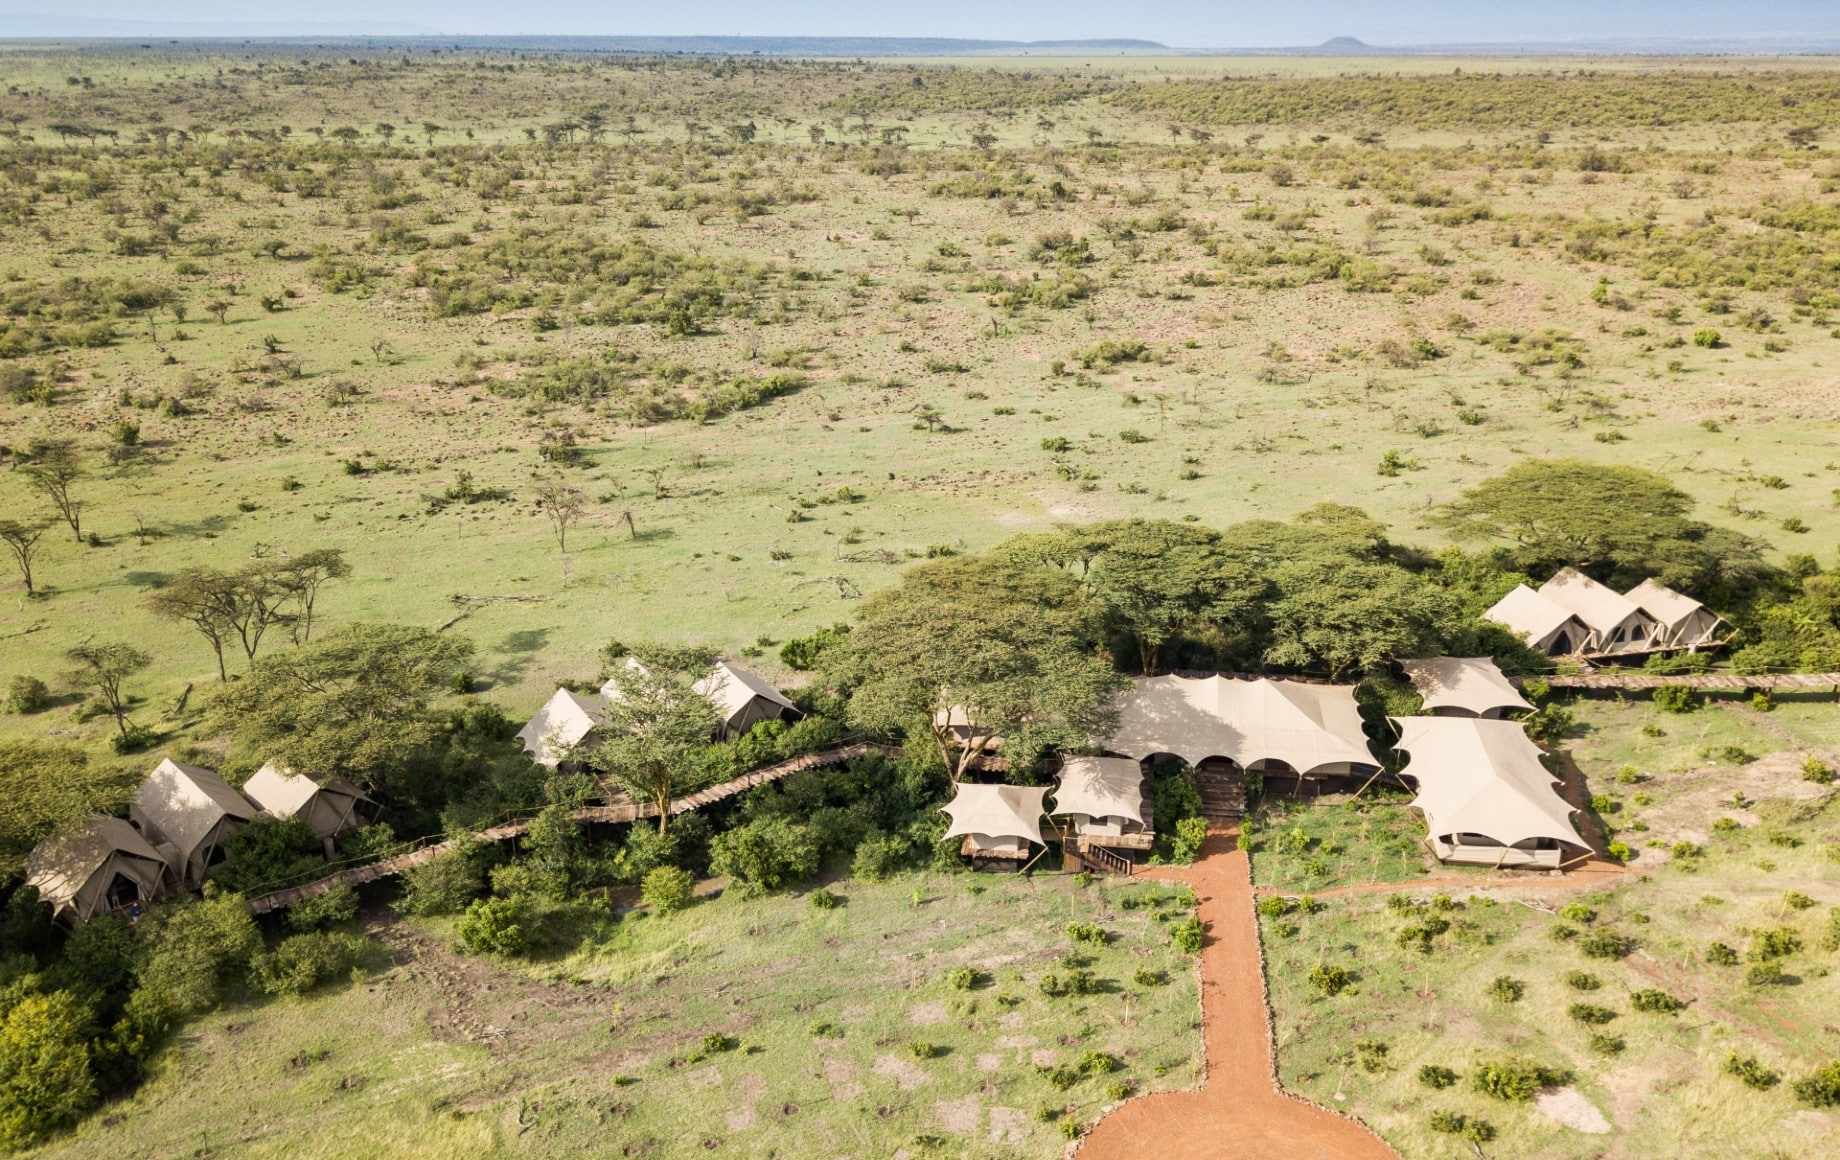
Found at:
[758, 334]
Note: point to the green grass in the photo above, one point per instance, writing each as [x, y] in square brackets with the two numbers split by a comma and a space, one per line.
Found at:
[604, 1048]
[1376, 838]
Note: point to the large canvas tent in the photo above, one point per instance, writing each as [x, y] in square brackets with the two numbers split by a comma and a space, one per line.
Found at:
[566, 721]
[1312, 729]
[1617, 624]
[1547, 627]
[1103, 795]
[1464, 687]
[1682, 621]
[101, 866]
[187, 811]
[1485, 795]
[331, 808]
[996, 820]
[742, 699]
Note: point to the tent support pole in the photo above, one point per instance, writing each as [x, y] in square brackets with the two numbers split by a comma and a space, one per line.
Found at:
[1370, 781]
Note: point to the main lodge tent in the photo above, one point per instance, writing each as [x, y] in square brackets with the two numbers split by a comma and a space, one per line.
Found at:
[1103, 795]
[102, 865]
[1546, 626]
[1464, 687]
[996, 820]
[187, 811]
[1617, 623]
[1682, 621]
[1311, 729]
[332, 808]
[1484, 793]
[566, 720]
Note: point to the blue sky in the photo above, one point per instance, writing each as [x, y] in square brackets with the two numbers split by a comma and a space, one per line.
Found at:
[1176, 22]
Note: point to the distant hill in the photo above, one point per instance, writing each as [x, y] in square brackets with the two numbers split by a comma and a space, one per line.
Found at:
[1340, 46]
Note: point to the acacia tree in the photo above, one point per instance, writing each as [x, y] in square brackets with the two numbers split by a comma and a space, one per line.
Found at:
[655, 724]
[22, 540]
[564, 505]
[968, 650]
[199, 597]
[52, 465]
[103, 667]
[301, 578]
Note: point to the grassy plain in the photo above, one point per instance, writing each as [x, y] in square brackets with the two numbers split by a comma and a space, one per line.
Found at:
[601, 1051]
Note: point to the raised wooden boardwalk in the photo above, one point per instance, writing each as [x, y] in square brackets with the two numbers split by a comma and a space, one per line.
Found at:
[1697, 681]
[615, 812]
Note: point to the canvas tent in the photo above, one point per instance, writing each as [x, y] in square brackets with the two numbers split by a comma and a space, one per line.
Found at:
[103, 865]
[566, 720]
[742, 699]
[1617, 624]
[1547, 627]
[333, 808]
[1464, 686]
[1683, 621]
[1485, 795]
[1312, 729]
[1103, 795]
[996, 820]
[187, 811]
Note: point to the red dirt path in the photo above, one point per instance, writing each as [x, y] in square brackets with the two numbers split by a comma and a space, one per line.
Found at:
[1239, 1113]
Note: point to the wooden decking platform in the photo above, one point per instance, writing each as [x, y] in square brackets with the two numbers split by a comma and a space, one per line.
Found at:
[612, 812]
[1739, 681]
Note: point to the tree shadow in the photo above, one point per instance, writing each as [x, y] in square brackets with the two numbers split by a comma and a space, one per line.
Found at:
[147, 580]
[526, 644]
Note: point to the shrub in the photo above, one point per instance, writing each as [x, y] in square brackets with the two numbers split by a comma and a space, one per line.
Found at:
[803, 652]
[1435, 1077]
[1577, 912]
[1309, 905]
[1145, 977]
[339, 904]
[881, 856]
[921, 1049]
[964, 979]
[1330, 980]
[1190, 833]
[1676, 699]
[1506, 989]
[1467, 1127]
[1708, 339]
[1088, 932]
[1604, 943]
[1720, 955]
[1796, 900]
[304, 961]
[1602, 1044]
[667, 889]
[1814, 769]
[1773, 943]
[1188, 935]
[1764, 974]
[1516, 1078]
[1371, 1055]
[1821, 1087]
[27, 695]
[1098, 1063]
[822, 899]
[1582, 981]
[45, 1079]
[1590, 1014]
[766, 853]
[1619, 851]
[192, 948]
[1750, 1072]
[1656, 1002]
[496, 926]
[447, 884]
[1274, 906]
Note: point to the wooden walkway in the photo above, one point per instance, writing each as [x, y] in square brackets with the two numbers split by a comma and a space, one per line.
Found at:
[615, 812]
[1697, 681]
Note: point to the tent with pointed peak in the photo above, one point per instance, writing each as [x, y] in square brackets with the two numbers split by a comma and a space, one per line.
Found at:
[1683, 621]
[1547, 627]
[1467, 686]
[1309, 728]
[187, 811]
[743, 699]
[566, 721]
[1617, 623]
[101, 866]
[331, 808]
[1486, 797]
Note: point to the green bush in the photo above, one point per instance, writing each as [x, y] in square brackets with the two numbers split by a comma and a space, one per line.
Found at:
[1371, 1055]
[304, 961]
[192, 948]
[1775, 942]
[1145, 977]
[803, 652]
[447, 884]
[1604, 943]
[1721, 955]
[1676, 699]
[766, 853]
[1516, 1078]
[1330, 980]
[1764, 974]
[27, 695]
[339, 904]
[1577, 912]
[1750, 1072]
[1188, 935]
[1467, 1127]
[1274, 906]
[1582, 981]
[1814, 769]
[1506, 989]
[1590, 1014]
[1708, 338]
[667, 890]
[496, 926]
[1190, 833]
[1821, 1087]
[46, 1084]
[1088, 932]
[1436, 1077]
[1603, 1044]
[1656, 1002]
[822, 899]
[965, 979]
[881, 856]
[270, 853]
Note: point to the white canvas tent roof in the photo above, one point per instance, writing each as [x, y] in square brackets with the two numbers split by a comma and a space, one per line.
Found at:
[564, 720]
[1303, 725]
[1101, 787]
[996, 811]
[1675, 611]
[73, 870]
[1602, 608]
[732, 689]
[183, 804]
[1472, 683]
[1483, 777]
[286, 794]
[1535, 618]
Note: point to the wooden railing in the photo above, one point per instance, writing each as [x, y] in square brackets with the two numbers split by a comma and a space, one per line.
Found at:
[1106, 860]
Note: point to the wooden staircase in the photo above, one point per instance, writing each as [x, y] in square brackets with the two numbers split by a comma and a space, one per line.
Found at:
[1223, 793]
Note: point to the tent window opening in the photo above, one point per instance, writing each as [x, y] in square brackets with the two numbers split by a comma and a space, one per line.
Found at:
[1474, 840]
[218, 854]
[1562, 643]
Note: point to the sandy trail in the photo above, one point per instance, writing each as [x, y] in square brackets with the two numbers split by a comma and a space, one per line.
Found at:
[1239, 1111]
